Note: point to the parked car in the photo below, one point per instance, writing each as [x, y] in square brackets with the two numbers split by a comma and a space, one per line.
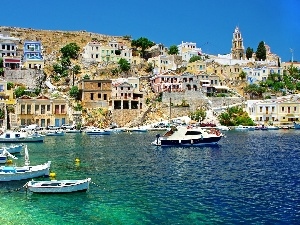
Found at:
[161, 125]
[67, 126]
[52, 127]
[32, 127]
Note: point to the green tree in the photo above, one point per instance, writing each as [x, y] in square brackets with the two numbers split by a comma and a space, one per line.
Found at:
[249, 52]
[1, 67]
[195, 58]
[235, 116]
[86, 76]
[76, 69]
[149, 68]
[71, 50]
[78, 107]
[57, 68]
[19, 91]
[142, 43]
[254, 90]
[2, 114]
[124, 65]
[199, 115]
[298, 86]
[261, 52]
[10, 85]
[74, 92]
[65, 63]
[173, 50]
[243, 75]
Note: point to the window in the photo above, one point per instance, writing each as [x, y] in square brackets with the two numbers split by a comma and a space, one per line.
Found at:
[99, 84]
[37, 108]
[282, 109]
[96, 56]
[22, 109]
[273, 108]
[92, 96]
[43, 111]
[99, 96]
[105, 96]
[295, 108]
[260, 109]
[48, 108]
[63, 109]
[122, 88]
[128, 88]
[28, 109]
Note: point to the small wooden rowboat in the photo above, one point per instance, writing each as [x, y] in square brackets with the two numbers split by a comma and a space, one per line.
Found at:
[58, 186]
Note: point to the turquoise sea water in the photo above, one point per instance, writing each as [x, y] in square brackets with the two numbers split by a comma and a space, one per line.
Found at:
[250, 178]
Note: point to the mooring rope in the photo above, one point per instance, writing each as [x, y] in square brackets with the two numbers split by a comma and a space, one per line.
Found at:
[100, 186]
[17, 189]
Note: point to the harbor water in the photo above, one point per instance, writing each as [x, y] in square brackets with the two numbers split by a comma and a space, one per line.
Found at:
[249, 178]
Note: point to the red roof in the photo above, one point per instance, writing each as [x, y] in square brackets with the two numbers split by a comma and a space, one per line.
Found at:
[12, 60]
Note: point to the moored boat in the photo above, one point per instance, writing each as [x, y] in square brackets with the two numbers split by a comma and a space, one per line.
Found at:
[55, 133]
[96, 131]
[4, 156]
[273, 127]
[20, 137]
[296, 125]
[188, 136]
[58, 186]
[137, 129]
[242, 128]
[12, 149]
[11, 173]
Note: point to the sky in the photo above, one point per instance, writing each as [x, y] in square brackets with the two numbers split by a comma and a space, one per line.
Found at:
[209, 23]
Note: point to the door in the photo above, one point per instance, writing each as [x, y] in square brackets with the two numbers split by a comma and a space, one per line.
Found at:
[57, 122]
[43, 123]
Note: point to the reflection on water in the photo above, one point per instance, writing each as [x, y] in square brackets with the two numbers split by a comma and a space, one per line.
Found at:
[251, 177]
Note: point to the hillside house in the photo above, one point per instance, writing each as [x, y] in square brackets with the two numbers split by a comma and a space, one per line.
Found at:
[42, 111]
[95, 93]
[32, 55]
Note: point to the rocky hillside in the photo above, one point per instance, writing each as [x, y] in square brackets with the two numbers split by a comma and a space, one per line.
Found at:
[53, 40]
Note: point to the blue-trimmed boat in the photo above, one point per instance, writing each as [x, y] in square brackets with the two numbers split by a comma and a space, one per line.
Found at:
[296, 125]
[20, 137]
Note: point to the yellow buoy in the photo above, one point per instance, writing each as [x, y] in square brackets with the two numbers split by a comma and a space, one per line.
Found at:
[77, 160]
[9, 161]
[52, 174]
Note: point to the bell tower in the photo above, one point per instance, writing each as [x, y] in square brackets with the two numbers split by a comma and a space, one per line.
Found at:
[237, 50]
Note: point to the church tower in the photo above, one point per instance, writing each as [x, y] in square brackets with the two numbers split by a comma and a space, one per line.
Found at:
[237, 50]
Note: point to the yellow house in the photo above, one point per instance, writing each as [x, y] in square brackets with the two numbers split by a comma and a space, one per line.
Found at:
[42, 111]
[196, 67]
[276, 111]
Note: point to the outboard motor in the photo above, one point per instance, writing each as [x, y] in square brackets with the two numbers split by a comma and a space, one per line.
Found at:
[157, 137]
